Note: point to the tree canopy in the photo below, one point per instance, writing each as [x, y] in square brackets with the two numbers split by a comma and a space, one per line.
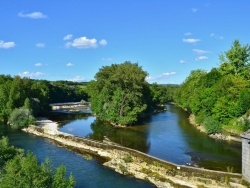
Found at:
[23, 170]
[236, 60]
[35, 95]
[222, 95]
[120, 93]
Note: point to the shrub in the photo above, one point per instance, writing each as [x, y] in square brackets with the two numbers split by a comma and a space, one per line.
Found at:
[211, 125]
[123, 169]
[21, 118]
[242, 124]
[127, 159]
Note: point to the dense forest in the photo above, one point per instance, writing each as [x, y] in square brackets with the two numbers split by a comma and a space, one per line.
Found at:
[24, 97]
[220, 98]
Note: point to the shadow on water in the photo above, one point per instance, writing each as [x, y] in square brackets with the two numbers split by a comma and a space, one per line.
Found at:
[167, 135]
[64, 118]
[123, 136]
[208, 152]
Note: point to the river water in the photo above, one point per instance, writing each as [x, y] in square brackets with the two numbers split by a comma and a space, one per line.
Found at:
[167, 135]
[88, 174]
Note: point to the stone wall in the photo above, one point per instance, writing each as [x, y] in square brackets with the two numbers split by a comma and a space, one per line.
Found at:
[96, 146]
[246, 156]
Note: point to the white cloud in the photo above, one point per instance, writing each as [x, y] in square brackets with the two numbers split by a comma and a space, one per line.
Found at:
[31, 74]
[84, 42]
[70, 65]
[194, 10]
[191, 40]
[78, 79]
[200, 58]
[32, 15]
[200, 52]
[68, 37]
[103, 42]
[40, 45]
[107, 59]
[38, 64]
[187, 34]
[216, 36]
[6, 45]
[182, 61]
[160, 77]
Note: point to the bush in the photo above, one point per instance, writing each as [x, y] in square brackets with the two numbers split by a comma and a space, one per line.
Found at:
[21, 118]
[242, 124]
[127, 159]
[211, 125]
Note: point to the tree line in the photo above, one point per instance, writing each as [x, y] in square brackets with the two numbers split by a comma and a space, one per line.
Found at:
[220, 98]
[23, 98]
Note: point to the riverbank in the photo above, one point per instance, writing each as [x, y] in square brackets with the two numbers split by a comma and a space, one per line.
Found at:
[219, 136]
[140, 165]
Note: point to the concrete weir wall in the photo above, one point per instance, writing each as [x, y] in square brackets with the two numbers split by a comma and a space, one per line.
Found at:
[246, 155]
[100, 148]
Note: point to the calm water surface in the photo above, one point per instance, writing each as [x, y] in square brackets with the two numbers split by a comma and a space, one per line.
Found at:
[166, 135]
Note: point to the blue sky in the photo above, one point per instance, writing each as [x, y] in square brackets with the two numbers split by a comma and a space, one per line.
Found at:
[71, 40]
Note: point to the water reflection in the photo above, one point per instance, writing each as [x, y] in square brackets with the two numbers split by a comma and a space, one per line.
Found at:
[207, 152]
[167, 135]
[123, 136]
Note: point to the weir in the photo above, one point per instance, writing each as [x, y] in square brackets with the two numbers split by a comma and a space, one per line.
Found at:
[142, 163]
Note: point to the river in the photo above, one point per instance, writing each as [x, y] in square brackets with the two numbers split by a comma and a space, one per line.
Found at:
[88, 174]
[167, 135]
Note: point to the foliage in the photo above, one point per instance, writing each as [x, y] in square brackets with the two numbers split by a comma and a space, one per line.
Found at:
[186, 94]
[120, 93]
[162, 93]
[21, 118]
[24, 171]
[241, 124]
[7, 151]
[36, 95]
[236, 60]
[221, 94]
[211, 125]
[127, 158]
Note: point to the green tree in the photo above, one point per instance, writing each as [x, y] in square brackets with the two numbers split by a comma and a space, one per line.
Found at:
[211, 125]
[20, 170]
[244, 100]
[186, 94]
[117, 94]
[162, 93]
[7, 151]
[59, 180]
[21, 118]
[24, 171]
[236, 60]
